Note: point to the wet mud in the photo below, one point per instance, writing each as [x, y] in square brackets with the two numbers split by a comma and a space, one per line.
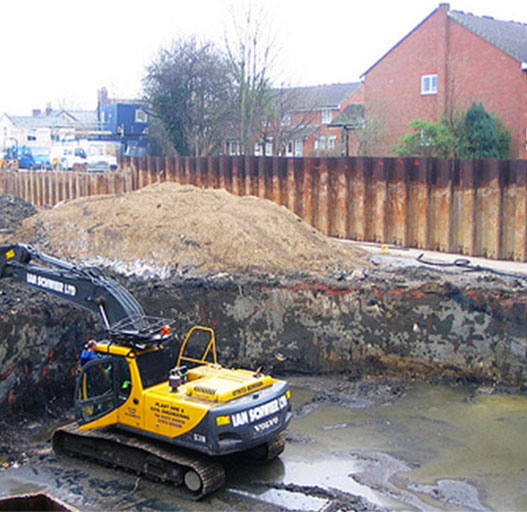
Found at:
[370, 445]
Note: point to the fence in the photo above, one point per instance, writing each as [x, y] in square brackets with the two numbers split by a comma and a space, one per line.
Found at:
[471, 207]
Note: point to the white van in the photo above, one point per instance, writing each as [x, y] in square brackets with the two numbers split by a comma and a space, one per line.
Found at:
[65, 157]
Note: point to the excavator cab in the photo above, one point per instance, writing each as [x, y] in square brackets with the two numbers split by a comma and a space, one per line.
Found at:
[103, 385]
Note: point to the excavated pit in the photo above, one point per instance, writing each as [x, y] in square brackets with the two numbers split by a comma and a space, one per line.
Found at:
[267, 283]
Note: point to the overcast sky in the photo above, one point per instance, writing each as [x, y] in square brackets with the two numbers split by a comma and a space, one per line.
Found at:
[62, 51]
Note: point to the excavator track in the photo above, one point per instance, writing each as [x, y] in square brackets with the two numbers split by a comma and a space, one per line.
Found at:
[275, 446]
[200, 475]
[269, 450]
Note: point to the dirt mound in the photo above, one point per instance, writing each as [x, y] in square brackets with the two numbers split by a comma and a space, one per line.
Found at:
[13, 210]
[167, 227]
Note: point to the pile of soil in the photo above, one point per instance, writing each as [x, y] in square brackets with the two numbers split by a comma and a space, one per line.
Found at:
[169, 227]
[13, 210]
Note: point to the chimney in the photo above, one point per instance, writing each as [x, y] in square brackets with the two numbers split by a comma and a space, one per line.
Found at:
[103, 96]
[48, 109]
[36, 112]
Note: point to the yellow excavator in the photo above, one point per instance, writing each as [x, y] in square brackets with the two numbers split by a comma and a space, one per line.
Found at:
[143, 408]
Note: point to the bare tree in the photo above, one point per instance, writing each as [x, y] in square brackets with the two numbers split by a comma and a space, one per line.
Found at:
[370, 135]
[251, 50]
[290, 113]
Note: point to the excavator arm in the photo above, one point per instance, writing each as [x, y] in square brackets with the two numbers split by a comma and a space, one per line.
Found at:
[121, 314]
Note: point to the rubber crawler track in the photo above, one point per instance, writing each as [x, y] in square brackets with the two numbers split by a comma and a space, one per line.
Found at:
[275, 446]
[152, 459]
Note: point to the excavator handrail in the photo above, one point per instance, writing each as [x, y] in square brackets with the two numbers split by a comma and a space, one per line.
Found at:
[211, 345]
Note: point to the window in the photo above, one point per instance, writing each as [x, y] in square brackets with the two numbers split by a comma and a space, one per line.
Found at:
[232, 148]
[286, 120]
[141, 116]
[426, 138]
[327, 116]
[155, 366]
[289, 151]
[429, 84]
[298, 147]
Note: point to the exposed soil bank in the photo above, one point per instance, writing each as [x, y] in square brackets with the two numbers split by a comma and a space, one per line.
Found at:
[415, 323]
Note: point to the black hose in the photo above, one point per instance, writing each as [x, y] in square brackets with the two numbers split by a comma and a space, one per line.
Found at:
[467, 266]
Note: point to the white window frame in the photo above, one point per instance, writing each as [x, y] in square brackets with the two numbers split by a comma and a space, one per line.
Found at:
[141, 116]
[286, 120]
[425, 139]
[428, 84]
[327, 116]
[233, 148]
[299, 147]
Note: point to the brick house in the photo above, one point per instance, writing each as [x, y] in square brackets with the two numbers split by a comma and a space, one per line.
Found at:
[447, 62]
[305, 127]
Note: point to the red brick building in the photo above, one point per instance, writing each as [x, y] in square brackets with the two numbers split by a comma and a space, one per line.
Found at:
[311, 116]
[305, 127]
[450, 60]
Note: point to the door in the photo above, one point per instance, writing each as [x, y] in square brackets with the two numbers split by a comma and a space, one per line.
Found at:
[100, 388]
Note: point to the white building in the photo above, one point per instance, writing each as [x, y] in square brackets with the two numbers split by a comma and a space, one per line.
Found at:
[48, 128]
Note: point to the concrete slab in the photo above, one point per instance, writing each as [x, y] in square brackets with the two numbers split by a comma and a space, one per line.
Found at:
[400, 256]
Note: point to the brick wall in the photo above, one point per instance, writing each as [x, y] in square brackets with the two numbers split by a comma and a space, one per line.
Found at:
[469, 69]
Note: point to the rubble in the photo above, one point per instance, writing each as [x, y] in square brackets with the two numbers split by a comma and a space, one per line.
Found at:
[13, 210]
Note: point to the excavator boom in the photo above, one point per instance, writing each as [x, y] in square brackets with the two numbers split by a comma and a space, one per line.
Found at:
[121, 314]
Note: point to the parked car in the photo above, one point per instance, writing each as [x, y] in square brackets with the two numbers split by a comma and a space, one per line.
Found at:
[42, 158]
[28, 158]
[98, 159]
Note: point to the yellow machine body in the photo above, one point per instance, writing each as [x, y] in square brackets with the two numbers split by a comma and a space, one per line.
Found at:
[209, 402]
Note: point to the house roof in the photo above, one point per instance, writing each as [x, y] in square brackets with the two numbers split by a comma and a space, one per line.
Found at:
[317, 97]
[508, 36]
[302, 132]
[57, 119]
[352, 116]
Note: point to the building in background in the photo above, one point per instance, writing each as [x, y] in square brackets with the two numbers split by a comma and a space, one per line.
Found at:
[126, 121]
[447, 62]
[304, 127]
[46, 128]
[116, 127]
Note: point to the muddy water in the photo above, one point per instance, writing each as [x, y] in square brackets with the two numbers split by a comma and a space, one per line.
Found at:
[431, 448]
[435, 447]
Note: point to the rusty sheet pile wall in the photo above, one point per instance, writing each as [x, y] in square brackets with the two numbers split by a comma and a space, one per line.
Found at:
[50, 188]
[471, 207]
